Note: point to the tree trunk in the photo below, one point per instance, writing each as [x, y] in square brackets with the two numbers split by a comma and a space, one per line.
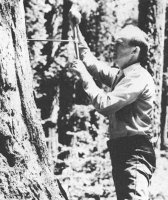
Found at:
[164, 115]
[24, 169]
[152, 21]
[66, 98]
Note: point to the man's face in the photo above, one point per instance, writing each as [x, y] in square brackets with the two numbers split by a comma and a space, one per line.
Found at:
[122, 52]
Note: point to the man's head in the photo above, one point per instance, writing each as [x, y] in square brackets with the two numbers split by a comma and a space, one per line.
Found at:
[131, 46]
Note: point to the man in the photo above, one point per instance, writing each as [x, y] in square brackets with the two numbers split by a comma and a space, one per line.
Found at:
[128, 105]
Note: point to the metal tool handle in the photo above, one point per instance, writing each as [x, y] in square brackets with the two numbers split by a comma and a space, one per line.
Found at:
[76, 41]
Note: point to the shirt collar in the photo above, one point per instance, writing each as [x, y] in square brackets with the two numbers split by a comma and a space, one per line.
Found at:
[131, 68]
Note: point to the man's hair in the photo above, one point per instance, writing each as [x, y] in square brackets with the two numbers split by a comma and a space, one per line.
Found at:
[139, 38]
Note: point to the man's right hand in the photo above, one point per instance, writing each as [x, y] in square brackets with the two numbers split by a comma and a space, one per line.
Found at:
[75, 16]
[79, 68]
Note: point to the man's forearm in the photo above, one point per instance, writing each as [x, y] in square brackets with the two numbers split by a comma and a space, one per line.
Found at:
[99, 70]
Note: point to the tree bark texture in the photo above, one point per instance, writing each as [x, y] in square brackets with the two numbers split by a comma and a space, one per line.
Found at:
[24, 169]
[152, 21]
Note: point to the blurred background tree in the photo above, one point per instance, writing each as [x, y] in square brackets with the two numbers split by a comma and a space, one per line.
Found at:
[152, 21]
[164, 103]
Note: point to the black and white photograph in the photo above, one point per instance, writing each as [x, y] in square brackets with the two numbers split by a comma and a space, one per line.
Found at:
[83, 99]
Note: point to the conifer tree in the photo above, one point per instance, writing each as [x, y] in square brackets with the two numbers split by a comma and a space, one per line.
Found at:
[24, 167]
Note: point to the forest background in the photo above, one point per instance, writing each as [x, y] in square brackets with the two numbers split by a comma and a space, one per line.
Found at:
[76, 134]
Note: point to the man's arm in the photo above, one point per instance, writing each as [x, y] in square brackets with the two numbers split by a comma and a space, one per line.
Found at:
[126, 91]
[98, 69]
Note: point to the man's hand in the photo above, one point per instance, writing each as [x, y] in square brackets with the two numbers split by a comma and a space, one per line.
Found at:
[74, 16]
[79, 68]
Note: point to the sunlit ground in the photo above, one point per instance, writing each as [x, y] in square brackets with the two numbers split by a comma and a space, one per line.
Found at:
[159, 186]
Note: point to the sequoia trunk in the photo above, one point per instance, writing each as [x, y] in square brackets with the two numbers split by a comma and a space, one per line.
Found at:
[24, 169]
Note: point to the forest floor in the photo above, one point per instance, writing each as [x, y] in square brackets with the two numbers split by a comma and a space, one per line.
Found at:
[79, 188]
[159, 186]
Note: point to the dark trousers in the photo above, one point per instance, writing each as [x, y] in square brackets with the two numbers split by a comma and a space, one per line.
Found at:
[133, 163]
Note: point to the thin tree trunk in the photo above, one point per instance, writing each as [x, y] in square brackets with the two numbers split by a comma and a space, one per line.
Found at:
[164, 128]
[152, 21]
[24, 169]
[66, 98]
[164, 115]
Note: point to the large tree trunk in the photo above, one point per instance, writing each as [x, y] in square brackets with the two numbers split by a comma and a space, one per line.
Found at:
[24, 169]
[152, 21]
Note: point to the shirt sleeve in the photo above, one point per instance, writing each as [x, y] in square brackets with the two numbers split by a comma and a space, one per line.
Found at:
[126, 92]
[98, 69]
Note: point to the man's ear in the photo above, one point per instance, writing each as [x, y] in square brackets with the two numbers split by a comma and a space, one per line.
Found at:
[136, 50]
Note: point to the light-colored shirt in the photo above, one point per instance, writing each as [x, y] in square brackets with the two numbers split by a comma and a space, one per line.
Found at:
[129, 104]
